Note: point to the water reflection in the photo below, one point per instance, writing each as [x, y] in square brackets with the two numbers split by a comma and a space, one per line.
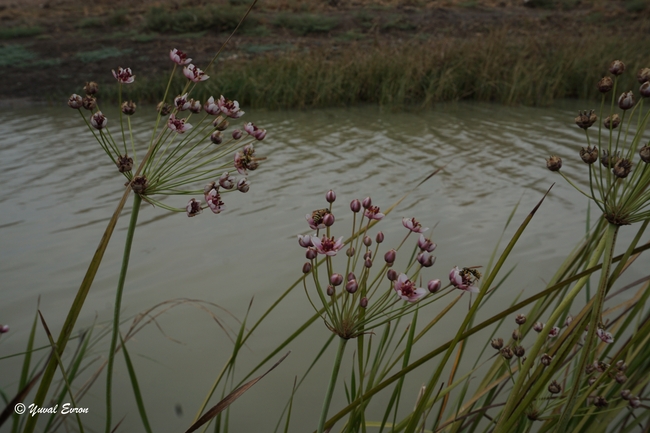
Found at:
[59, 191]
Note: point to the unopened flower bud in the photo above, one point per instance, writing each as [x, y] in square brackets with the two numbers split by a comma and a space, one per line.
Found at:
[4, 329]
[591, 381]
[243, 185]
[554, 387]
[351, 276]
[520, 319]
[163, 108]
[425, 259]
[336, 279]
[626, 100]
[303, 241]
[330, 196]
[506, 352]
[89, 103]
[368, 263]
[554, 163]
[237, 134]
[621, 365]
[389, 257]
[538, 326]
[367, 202]
[434, 286]
[367, 255]
[644, 89]
[306, 268]
[519, 351]
[75, 101]
[546, 359]
[330, 291]
[350, 252]
[516, 335]
[644, 153]
[643, 75]
[622, 168]
[589, 369]
[91, 88]
[391, 274]
[128, 107]
[620, 377]
[367, 241]
[379, 238]
[612, 122]
[586, 119]
[216, 137]
[311, 253]
[351, 286]
[355, 205]
[605, 84]
[363, 303]
[600, 402]
[124, 163]
[635, 402]
[497, 343]
[626, 394]
[328, 219]
[617, 67]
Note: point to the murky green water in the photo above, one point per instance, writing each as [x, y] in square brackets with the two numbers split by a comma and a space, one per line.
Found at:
[58, 192]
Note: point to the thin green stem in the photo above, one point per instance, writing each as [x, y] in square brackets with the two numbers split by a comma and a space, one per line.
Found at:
[118, 302]
[332, 384]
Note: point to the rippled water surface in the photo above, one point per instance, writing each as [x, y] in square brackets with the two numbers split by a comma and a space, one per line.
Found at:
[58, 193]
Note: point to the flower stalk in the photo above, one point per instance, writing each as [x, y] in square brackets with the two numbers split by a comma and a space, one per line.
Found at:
[332, 384]
[137, 200]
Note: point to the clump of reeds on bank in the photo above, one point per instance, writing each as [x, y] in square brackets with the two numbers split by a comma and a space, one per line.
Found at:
[498, 66]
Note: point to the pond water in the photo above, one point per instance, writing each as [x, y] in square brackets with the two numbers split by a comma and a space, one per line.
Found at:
[59, 191]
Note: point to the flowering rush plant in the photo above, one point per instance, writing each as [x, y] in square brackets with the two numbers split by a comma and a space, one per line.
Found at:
[366, 290]
[189, 145]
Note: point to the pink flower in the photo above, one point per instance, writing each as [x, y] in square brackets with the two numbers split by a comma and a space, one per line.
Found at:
[179, 57]
[227, 181]
[605, 336]
[178, 125]
[406, 289]
[464, 279]
[244, 160]
[195, 74]
[327, 246]
[193, 208]
[195, 106]
[211, 107]
[181, 102]
[413, 225]
[124, 76]
[373, 213]
[229, 108]
[256, 132]
[98, 120]
[213, 198]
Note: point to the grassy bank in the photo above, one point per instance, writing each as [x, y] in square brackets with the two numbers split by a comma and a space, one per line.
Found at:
[497, 67]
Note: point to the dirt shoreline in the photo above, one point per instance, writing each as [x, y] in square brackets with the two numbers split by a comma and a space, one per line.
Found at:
[57, 45]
